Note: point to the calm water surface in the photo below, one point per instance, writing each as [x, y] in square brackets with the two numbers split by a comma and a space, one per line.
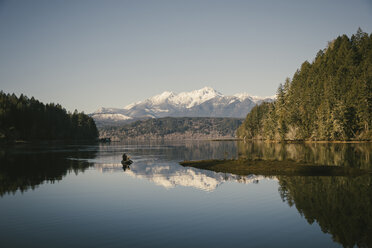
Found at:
[81, 196]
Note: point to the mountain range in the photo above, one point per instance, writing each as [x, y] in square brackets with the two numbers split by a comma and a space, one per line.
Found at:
[205, 102]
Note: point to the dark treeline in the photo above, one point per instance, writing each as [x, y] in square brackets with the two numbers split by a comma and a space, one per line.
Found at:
[328, 99]
[22, 118]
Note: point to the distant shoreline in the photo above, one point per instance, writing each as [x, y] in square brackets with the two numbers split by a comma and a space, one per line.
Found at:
[240, 139]
[67, 141]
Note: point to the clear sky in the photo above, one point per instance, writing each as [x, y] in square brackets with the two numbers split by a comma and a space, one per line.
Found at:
[89, 54]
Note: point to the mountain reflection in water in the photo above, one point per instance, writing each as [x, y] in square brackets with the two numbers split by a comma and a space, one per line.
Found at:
[158, 163]
[170, 175]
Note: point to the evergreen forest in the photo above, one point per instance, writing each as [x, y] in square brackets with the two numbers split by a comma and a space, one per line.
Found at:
[23, 118]
[329, 99]
[175, 128]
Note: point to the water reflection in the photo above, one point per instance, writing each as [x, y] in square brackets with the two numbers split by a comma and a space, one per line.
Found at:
[342, 206]
[24, 168]
[157, 162]
[357, 155]
[170, 175]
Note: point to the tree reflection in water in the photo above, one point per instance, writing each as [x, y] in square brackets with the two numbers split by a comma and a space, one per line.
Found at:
[342, 206]
[357, 155]
[27, 169]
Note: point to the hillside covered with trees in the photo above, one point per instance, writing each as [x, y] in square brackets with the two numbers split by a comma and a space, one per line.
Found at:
[329, 99]
[23, 118]
[174, 128]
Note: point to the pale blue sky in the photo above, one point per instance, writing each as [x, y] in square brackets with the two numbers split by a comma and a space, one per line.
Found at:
[88, 54]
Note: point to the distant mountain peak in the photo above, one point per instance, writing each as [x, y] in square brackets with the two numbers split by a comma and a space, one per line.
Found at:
[158, 99]
[242, 96]
[196, 97]
[208, 90]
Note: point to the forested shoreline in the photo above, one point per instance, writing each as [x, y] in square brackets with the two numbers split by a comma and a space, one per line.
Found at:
[23, 118]
[329, 99]
[174, 128]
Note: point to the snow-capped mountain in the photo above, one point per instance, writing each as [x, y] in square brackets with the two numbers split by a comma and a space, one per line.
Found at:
[206, 102]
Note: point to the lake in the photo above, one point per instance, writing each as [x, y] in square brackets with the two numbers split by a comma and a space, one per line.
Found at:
[58, 195]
